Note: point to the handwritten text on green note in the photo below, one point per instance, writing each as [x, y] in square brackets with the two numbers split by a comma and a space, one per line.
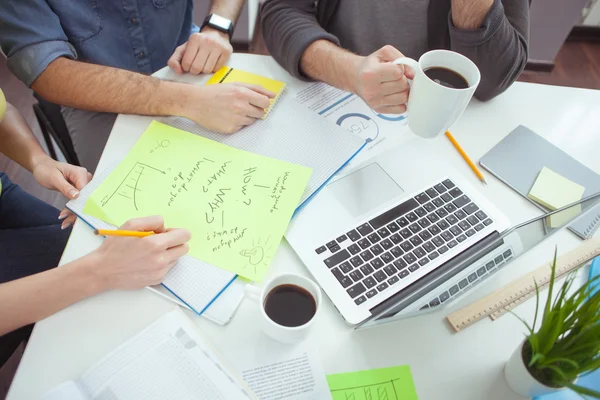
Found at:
[393, 383]
[236, 204]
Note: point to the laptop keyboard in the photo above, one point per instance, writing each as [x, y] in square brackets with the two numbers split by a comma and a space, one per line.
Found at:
[381, 252]
[478, 275]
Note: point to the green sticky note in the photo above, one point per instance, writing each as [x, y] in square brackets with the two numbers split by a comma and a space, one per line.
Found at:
[394, 383]
[236, 204]
[554, 191]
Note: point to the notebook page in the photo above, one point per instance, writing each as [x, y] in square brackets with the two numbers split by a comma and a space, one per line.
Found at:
[292, 133]
[67, 390]
[195, 282]
[168, 360]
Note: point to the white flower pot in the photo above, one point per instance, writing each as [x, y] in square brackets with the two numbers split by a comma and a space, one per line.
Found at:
[520, 380]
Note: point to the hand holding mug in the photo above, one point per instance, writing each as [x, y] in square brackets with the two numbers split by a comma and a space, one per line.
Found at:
[382, 84]
[444, 82]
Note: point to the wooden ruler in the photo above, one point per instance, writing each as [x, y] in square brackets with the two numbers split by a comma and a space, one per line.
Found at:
[500, 301]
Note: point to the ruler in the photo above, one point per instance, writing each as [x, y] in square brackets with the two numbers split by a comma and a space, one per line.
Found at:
[500, 301]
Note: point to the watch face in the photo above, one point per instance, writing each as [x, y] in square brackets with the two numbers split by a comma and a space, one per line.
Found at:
[218, 21]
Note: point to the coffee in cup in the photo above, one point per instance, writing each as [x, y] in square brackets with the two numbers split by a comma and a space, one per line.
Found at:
[289, 304]
[443, 85]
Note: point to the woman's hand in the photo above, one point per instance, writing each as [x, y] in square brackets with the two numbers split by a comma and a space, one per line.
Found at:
[65, 178]
[132, 263]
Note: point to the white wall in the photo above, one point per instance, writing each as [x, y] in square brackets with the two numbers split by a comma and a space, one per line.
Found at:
[592, 14]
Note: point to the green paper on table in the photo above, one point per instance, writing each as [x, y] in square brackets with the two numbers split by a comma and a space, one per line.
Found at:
[394, 383]
[236, 204]
[555, 191]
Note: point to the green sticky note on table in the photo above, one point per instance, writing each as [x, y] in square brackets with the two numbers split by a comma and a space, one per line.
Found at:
[236, 204]
[393, 383]
[554, 191]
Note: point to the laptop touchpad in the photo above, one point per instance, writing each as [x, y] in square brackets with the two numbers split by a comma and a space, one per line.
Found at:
[365, 189]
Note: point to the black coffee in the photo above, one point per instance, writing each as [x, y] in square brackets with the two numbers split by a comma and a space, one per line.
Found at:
[446, 77]
[290, 305]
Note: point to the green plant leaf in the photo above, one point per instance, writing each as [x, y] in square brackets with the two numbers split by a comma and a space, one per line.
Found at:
[558, 371]
[582, 390]
[551, 284]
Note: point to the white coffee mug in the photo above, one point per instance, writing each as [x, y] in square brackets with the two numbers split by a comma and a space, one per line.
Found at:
[274, 330]
[433, 108]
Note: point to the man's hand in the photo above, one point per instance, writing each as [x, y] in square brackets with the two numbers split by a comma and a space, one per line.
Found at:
[226, 107]
[65, 178]
[381, 84]
[133, 263]
[203, 53]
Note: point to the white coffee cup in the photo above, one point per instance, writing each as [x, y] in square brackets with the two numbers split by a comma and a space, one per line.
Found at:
[433, 108]
[281, 333]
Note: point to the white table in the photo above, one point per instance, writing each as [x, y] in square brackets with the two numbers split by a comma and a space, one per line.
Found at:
[445, 365]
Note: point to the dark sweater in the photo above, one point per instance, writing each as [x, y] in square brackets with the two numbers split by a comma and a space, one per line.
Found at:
[498, 47]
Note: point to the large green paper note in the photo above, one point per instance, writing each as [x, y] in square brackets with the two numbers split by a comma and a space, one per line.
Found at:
[393, 383]
[236, 204]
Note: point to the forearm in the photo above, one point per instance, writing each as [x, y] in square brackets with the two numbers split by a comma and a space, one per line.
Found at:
[17, 141]
[229, 9]
[469, 14]
[28, 300]
[324, 61]
[498, 47]
[289, 27]
[106, 89]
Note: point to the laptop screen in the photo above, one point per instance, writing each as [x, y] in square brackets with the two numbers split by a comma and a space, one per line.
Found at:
[512, 243]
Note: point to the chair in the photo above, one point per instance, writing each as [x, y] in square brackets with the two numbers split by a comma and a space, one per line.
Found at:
[53, 127]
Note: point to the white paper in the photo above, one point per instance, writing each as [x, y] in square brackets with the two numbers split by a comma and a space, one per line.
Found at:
[68, 390]
[277, 371]
[351, 113]
[169, 360]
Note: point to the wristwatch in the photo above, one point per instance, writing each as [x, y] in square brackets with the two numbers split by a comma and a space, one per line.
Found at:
[219, 23]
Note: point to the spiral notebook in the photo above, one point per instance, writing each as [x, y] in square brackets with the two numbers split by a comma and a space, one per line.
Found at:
[518, 159]
[199, 286]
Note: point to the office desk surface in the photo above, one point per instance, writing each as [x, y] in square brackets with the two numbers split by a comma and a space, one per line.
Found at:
[445, 365]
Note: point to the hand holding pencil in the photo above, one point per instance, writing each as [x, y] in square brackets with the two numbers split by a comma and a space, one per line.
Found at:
[142, 256]
[466, 157]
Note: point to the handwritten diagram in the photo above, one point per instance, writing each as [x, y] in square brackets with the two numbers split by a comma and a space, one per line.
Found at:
[131, 185]
[257, 256]
[236, 204]
[384, 390]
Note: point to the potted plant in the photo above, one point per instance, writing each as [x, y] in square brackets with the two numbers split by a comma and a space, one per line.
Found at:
[565, 346]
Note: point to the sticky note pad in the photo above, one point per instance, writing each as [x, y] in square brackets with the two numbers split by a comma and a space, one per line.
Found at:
[228, 75]
[554, 191]
[236, 204]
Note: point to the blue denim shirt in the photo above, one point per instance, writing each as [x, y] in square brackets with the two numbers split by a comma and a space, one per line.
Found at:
[137, 35]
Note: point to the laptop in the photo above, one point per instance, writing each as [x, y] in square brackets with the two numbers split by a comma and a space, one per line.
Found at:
[405, 233]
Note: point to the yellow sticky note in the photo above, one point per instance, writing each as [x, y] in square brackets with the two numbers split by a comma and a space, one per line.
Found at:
[228, 75]
[554, 191]
[236, 204]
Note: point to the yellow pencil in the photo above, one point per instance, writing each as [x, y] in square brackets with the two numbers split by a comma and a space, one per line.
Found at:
[116, 232]
[466, 157]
